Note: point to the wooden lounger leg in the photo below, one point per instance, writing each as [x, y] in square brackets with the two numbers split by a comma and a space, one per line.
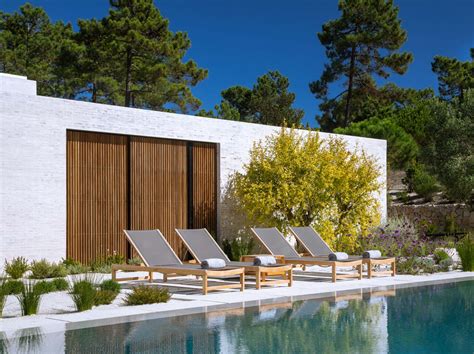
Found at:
[242, 282]
[150, 277]
[290, 277]
[369, 270]
[257, 276]
[114, 274]
[359, 268]
[204, 284]
[334, 276]
[165, 278]
[394, 271]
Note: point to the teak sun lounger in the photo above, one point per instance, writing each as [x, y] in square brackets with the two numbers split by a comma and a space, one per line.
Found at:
[202, 246]
[276, 244]
[316, 247]
[158, 256]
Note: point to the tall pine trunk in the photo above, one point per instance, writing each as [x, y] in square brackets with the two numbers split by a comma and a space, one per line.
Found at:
[349, 88]
[128, 78]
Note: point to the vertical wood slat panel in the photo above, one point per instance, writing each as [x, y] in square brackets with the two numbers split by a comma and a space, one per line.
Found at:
[158, 193]
[96, 195]
[205, 187]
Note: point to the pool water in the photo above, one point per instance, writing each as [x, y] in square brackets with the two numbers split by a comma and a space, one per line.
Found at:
[428, 319]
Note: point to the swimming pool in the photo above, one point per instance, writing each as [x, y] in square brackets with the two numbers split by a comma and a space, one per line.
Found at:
[429, 319]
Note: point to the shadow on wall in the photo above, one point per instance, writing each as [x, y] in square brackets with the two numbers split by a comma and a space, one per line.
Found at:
[234, 221]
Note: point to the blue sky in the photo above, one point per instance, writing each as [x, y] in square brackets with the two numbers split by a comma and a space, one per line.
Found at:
[237, 41]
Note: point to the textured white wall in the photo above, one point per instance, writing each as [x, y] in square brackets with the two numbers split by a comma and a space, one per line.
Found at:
[33, 157]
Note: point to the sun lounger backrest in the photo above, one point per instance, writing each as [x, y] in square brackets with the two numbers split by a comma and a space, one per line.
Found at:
[152, 247]
[275, 242]
[201, 244]
[311, 240]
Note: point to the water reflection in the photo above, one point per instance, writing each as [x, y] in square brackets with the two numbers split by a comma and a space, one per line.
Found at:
[379, 322]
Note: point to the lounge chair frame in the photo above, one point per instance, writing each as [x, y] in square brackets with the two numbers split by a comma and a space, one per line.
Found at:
[310, 261]
[369, 262]
[260, 272]
[169, 271]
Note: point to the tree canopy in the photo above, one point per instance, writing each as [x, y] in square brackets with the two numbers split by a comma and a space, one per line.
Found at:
[268, 102]
[363, 42]
[302, 180]
[129, 57]
[454, 76]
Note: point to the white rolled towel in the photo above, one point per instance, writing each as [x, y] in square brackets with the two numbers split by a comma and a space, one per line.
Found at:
[338, 256]
[264, 260]
[210, 263]
[372, 254]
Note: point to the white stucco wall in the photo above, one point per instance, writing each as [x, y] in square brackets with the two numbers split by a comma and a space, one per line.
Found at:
[33, 157]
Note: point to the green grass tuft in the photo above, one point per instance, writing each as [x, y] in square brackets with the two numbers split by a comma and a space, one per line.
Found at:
[16, 267]
[29, 299]
[465, 250]
[142, 295]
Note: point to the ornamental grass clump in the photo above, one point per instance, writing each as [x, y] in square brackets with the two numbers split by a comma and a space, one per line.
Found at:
[16, 267]
[107, 292]
[29, 299]
[43, 269]
[13, 287]
[83, 292]
[465, 250]
[58, 284]
[142, 295]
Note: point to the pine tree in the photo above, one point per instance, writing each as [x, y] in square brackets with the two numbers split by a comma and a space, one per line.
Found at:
[146, 58]
[454, 76]
[30, 45]
[268, 102]
[362, 43]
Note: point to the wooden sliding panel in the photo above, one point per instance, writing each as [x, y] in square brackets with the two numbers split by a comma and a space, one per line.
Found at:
[158, 187]
[204, 186]
[97, 169]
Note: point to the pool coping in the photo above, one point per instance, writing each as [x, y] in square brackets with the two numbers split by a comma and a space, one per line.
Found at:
[201, 304]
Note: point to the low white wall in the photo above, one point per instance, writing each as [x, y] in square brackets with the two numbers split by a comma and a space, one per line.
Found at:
[33, 157]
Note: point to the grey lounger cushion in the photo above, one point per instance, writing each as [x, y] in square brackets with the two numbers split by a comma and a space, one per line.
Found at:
[152, 247]
[275, 242]
[311, 240]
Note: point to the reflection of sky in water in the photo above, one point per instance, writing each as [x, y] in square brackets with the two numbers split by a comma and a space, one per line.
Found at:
[436, 318]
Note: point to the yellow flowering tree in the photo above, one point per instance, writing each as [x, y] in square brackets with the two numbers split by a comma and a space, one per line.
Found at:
[295, 180]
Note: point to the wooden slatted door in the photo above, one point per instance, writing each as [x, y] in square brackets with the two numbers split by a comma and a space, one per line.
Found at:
[97, 169]
[204, 186]
[117, 182]
[158, 187]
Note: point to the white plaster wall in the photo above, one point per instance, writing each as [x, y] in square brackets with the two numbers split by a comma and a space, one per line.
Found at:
[33, 157]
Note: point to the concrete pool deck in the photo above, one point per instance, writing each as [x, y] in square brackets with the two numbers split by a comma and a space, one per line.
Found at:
[57, 310]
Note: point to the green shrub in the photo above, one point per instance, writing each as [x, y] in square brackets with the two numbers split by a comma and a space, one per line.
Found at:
[43, 269]
[416, 265]
[60, 284]
[77, 269]
[238, 247]
[13, 287]
[440, 255]
[83, 293]
[16, 268]
[419, 180]
[143, 294]
[135, 261]
[70, 262]
[465, 250]
[445, 264]
[58, 270]
[104, 297]
[101, 267]
[44, 287]
[29, 299]
[110, 285]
